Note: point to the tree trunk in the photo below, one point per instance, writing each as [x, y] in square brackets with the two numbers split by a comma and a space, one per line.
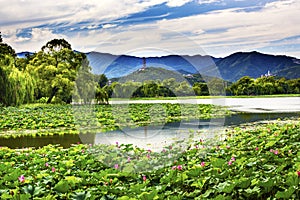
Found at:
[55, 89]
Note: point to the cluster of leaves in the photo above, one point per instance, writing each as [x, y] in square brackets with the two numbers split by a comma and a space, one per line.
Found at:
[104, 117]
[258, 163]
[264, 86]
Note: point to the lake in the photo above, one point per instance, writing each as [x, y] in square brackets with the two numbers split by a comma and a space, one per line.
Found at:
[152, 137]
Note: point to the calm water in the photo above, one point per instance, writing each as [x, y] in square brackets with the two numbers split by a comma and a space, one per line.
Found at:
[146, 137]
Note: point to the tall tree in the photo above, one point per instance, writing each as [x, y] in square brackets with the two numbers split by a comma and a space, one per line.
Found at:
[55, 68]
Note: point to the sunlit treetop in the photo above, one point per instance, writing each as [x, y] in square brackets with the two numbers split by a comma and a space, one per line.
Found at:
[56, 45]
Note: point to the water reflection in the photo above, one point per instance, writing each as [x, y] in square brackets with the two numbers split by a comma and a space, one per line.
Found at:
[147, 137]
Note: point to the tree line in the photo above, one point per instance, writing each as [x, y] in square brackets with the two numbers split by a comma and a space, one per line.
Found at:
[57, 74]
[265, 85]
[214, 86]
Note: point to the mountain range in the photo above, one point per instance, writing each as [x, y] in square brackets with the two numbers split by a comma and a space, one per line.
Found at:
[230, 68]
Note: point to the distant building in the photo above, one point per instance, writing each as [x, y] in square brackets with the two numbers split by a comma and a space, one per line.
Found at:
[144, 64]
[268, 74]
[188, 75]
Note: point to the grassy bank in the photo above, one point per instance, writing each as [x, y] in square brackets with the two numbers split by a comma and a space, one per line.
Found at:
[252, 163]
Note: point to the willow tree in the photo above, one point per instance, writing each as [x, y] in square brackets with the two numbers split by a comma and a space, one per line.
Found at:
[16, 87]
[85, 85]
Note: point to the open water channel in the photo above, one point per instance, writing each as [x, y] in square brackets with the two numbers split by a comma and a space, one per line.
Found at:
[151, 137]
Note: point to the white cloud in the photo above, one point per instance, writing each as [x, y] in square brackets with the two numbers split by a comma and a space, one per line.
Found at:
[235, 30]
[109, 25]
[177, 3]
[244, 30]
[39, 37]
[208, 1]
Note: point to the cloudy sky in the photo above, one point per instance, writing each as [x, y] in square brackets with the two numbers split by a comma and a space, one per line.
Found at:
[155, 27]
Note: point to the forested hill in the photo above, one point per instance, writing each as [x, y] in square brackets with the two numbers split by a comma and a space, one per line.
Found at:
[152, 73]
[231, 68]
[254, 64]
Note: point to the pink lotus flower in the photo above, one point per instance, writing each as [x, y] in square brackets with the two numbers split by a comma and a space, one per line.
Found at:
[202, 164]
[144, 178]
[233, 158]
[276, 152]
[256, 148]
[47, 164]
[149, 150]
[117, 144]
[298, 173]
[229, 163]
[82, 150]
[116, 166]
[271, 150]
[228, 147]
[163, 150]
[128, 159]
[174, 167]
[196, 146]
[53, 169]
[148, 156]
[179, 167]
[22, 178]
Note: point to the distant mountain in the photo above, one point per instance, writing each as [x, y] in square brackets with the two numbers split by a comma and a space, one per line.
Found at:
[291, 72]
[255, 64]
[24, 54]
[117, 66]
[230, 68]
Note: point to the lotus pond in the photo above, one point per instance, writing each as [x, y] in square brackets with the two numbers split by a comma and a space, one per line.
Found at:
[104, 117]
[252, 163]
[255, 161]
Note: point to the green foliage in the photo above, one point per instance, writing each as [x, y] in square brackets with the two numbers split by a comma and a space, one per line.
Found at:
[201, 89]
[101, 96]
[103, 117]
[56, 45]
[166, 88]
[240, 167]
[5, 49]
[102, 80]
[56, 69]
[16, 87]
[264, 86]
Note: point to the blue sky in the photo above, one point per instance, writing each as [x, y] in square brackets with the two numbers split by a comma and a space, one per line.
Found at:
[155, 27]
